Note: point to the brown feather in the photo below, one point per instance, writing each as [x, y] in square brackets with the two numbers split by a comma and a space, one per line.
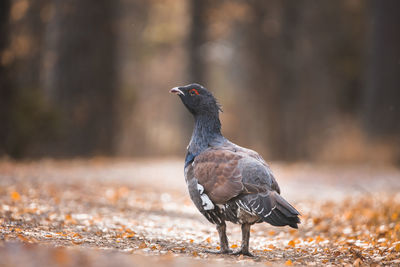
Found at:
[216, 170]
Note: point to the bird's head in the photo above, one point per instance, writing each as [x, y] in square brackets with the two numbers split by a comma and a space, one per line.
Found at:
[197, 99]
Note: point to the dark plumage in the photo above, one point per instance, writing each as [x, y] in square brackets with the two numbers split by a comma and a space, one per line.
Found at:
[227, 182]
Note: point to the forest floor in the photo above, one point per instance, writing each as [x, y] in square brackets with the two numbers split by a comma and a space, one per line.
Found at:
[104, 212]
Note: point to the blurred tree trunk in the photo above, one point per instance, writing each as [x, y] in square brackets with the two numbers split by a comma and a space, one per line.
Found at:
[197, 38]
[5, 82]
[381, 102]
[29, 117]
[295, 72]
[82, 75]
[196, 63]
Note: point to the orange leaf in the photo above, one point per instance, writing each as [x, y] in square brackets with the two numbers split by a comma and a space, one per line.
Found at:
[77, 235]
[291, 243]
[208, 239]
[271, 232]
[130, 231]
[234, 246]
[15, 196]
[23, 238]
[143, 245]
[289, 263]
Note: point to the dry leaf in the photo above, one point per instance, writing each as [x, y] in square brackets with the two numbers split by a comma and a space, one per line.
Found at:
[15, 196]
[143, 245]
[289, 263]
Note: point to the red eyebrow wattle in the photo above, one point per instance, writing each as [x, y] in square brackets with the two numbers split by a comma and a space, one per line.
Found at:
[195, 91]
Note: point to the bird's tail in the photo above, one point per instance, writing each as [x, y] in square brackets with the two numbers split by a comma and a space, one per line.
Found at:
[272, 208]
[283, 213]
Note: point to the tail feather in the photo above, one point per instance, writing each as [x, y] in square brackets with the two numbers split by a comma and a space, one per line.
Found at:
[273, 209]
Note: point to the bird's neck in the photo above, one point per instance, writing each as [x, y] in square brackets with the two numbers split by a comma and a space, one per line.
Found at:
[207, 130]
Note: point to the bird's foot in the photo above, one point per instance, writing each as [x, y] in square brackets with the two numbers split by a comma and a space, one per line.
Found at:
[244, 252]
[221, 251]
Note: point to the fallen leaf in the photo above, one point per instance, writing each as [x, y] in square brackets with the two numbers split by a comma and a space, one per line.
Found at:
[129, 235]
[289, 263]
[15, 196]
[271, 232]
[143, 245]
[23, 238]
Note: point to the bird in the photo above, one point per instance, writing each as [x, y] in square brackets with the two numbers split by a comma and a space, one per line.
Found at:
[227, 182]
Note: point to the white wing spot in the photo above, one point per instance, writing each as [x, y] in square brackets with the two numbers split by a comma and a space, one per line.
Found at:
[200, 188]
[206, 202]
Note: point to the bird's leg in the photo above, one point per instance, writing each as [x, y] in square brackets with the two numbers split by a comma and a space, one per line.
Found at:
[223, 238]
[224, 245]
[244, 249]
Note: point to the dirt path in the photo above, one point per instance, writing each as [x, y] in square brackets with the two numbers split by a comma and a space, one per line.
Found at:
[125, 212]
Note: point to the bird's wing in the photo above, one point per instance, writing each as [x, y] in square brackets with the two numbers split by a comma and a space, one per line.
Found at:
[216, 169]
[263, 198]
[250, 157]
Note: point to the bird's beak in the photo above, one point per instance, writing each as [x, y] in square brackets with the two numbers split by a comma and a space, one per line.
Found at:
[176, 91]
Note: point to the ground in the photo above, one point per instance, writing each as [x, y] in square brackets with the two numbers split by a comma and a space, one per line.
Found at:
[124, 212]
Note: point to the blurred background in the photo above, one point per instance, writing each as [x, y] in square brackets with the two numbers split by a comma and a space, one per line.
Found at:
[298, 80]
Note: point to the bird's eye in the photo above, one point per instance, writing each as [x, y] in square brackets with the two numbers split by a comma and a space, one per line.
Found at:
[193, 92]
